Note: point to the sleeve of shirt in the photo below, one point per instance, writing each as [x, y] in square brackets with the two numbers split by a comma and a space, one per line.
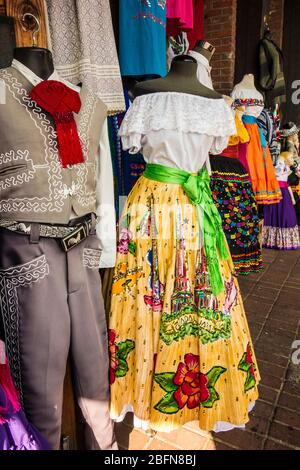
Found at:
[106, 226]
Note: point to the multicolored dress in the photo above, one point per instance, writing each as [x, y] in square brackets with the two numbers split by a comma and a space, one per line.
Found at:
[180, 346]
[265, 185]
[233, 195]
[15, 431]
[280, 230]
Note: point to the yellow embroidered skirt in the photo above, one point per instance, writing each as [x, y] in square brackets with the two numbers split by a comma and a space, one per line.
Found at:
[177, 353]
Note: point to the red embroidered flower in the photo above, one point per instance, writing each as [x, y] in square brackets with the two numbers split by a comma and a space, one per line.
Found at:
[192, 383]
[113, 350]
[249, 360]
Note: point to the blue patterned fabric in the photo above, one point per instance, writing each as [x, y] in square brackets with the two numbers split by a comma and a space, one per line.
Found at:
[142, 41]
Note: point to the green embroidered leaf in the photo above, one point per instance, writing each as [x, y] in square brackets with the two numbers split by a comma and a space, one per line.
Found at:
[122, 368]
[167, 404]
[126, 221]
[124, 348]
[132, 248]
[243, 364]
[214, 396]
[250, 382]
[214, 374]
[165, 381]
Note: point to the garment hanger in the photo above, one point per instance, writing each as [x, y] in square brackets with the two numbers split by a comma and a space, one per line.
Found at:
[37, 59]
[37, 29]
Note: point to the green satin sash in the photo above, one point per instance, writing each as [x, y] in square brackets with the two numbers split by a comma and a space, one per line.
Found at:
[197, 188]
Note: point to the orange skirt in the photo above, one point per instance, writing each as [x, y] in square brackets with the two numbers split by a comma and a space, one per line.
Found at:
[265, 185]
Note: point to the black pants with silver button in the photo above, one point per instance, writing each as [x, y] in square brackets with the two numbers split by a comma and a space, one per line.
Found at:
[51, 303]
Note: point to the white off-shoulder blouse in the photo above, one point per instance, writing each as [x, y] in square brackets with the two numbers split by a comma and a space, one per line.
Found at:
[178, 130]
[241, 93]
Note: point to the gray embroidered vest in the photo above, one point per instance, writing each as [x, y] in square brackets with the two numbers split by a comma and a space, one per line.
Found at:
[33, 185]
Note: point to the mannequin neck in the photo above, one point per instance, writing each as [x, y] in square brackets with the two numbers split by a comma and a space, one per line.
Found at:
[183, 70]
[248, 81]
[37, 59]
[205, 52]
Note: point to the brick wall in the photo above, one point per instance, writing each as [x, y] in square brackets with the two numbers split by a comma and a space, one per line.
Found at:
[276, 14]
[220, 30]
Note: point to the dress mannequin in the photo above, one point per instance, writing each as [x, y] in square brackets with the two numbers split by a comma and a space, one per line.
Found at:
[40, 105]
[182, 78]
[248, 81]
[205, 48]
[280, 230]
[202, 53]
[265, 185]
[37, 59]
[286, 159]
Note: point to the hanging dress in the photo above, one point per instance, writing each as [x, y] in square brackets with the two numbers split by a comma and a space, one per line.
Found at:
[180, 16]
[15, 431]
[142, 38]
[265, 185]
[233, 195]
[180, 347]
[280, 229]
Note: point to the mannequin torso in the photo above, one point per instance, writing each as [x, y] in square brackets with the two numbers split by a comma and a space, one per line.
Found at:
[182, 78]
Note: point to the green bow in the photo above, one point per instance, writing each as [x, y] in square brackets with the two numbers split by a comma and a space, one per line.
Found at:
[197, 188]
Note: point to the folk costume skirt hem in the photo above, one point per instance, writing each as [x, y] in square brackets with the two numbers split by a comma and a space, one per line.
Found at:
[177, 352]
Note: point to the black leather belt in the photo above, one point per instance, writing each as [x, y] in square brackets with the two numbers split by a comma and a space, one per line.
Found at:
[69, 235]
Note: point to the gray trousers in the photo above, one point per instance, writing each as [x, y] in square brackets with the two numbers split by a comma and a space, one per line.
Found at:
[51, 303]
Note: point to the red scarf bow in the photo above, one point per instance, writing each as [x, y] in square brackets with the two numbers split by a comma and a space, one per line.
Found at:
[61, 101]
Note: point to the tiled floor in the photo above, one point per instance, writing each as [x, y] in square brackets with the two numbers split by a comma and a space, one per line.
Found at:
[272, 303]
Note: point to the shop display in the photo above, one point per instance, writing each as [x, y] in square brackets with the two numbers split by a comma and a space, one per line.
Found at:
[280, 229]
[84, 48]
[265, 186]
[15, 431]
[183, 350]
[134, 195]
[142, 42]
[50, 254]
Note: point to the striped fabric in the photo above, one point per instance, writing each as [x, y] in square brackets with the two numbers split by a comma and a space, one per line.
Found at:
[267, 123]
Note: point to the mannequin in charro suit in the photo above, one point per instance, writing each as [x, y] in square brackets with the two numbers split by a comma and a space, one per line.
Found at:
[57, 228]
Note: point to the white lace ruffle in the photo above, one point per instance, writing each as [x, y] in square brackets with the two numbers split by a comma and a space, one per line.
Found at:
[220, 426]
[177, 111]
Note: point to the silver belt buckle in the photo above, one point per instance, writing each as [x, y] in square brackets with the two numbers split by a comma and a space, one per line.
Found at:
[74, 238]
